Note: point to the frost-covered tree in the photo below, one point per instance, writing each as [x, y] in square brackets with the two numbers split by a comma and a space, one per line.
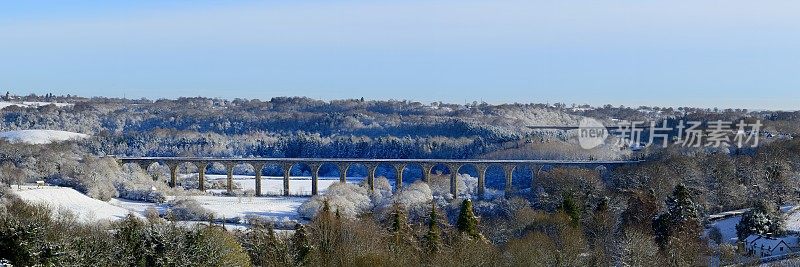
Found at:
[415, 198]
[10, 174]
[349, 200]
[638, 249]
[677, 231]
[681, 217]
[21, 241]
[130, 238]
[215, 246]
[762, 219]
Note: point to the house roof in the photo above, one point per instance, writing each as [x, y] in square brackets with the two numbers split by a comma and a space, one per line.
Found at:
[770, 242]
[749, 239]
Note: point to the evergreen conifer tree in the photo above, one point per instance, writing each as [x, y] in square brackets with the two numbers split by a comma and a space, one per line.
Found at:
[467, 223]
[300, 245]
[762, 219]
[571, 209]
[325, 230]
[433, 238]
[402, 236]
[682, 218]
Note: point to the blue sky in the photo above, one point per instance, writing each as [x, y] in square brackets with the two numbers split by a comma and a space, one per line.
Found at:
[730, 53]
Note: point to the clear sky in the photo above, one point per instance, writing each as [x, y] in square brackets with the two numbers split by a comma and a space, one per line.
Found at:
[726, 53]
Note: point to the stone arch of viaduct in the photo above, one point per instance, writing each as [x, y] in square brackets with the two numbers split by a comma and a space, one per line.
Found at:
[454, 165]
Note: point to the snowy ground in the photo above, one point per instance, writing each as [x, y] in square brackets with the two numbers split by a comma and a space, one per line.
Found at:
[793, 221]
[727, 228]
[40, 136]
[137, 207]
[60, 199]
[277, 209]
[298, 186]
[274, 208]
[91, 210]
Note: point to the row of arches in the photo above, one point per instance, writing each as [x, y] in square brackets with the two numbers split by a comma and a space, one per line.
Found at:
[515, 176]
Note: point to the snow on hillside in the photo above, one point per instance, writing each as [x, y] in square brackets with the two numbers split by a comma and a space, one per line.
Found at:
[277, 209]
[793, 221]
[519, 118]
[274, 208]
[61, 199]
[87, 209]
[38, 137]
[26, 104]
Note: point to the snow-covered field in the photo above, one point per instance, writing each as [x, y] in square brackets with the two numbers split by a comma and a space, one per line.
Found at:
[91, 210]
[274, 208]
[26, 104]
[298, 186]
[727, 227]
[59, 199]
[271, 208]
[40, 136]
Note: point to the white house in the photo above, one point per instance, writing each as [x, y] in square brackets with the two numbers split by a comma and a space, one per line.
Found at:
[764, 246]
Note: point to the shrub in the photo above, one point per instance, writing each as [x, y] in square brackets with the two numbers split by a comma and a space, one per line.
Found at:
[21, 240]
[139, 192]
[188, 209]
[277, 223]
[715, 234]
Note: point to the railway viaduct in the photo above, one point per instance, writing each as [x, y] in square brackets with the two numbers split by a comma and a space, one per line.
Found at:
[454, 165]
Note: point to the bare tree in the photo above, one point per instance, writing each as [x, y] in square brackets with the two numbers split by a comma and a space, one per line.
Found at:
[10, 174]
